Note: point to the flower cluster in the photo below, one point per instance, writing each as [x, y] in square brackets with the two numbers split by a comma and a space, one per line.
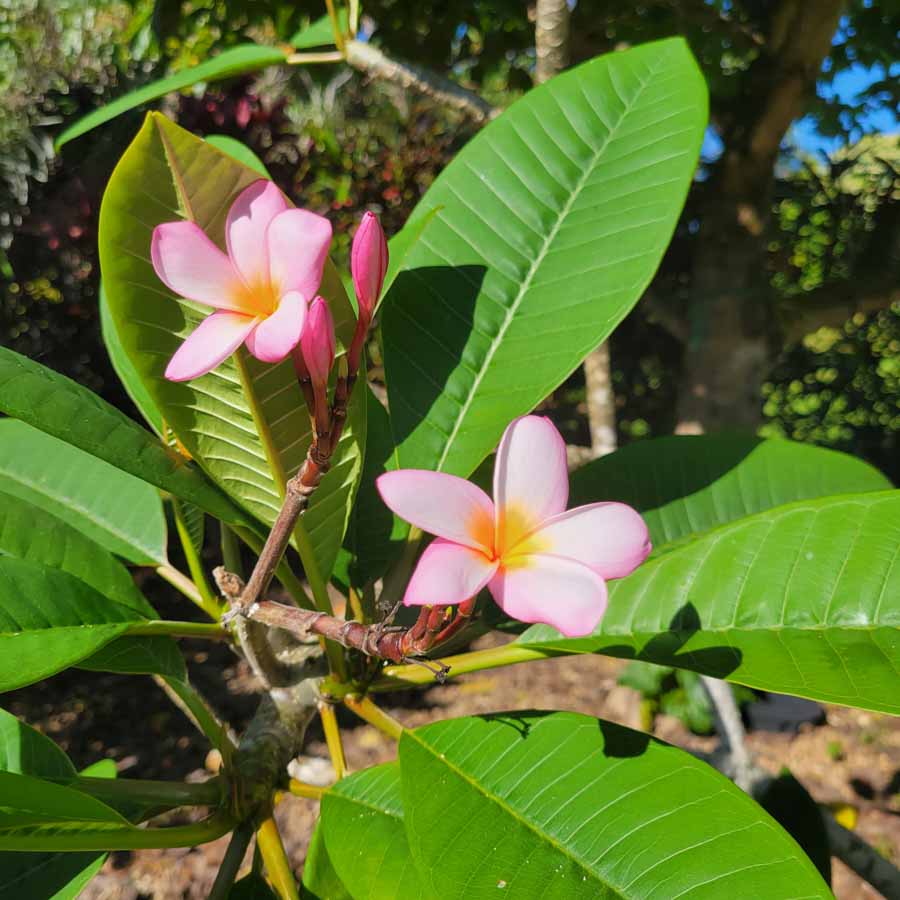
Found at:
[264, 290]
[540, 562]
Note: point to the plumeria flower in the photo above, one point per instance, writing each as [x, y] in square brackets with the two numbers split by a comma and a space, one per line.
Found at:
[540, 563]
[259, 291]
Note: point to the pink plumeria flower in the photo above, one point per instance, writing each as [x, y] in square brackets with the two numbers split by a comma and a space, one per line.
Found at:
[368, 266]
[540, 563]
[259, 291]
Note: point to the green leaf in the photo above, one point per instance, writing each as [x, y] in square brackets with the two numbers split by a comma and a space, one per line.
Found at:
[554, 220]
[194, 521]
[320, 881]
[58, 406]
[49, 876]
[28, 752]
[685, 485]
[61, 876]
[362, 818]
[113, 509]
[252, 887]
[31, 801]
[241, 152]
[30, 533]
[374, 534]
[801, 599]
[124, 369]
[561, 805]
[319, 33]
[139, 655]
[245, 423]
[50, 620]
[240, 60]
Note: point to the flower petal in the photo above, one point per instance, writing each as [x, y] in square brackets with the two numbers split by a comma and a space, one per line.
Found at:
[448, 573]
[549, 589]
[531, 478]
[298, 243]
[611, 538]
[440, 504]
[211, 342]
[275, 337]
[190, 264]
[368, 262]
[245, 229]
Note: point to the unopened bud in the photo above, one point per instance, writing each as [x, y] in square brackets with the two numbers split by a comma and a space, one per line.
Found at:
[368, 263]
[318, 343]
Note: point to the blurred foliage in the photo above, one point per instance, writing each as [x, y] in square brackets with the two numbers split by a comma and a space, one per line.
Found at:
[340, 144]
[674, 692]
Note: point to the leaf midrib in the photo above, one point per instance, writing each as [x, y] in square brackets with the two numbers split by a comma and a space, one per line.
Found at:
[535, 265]
[513, 813]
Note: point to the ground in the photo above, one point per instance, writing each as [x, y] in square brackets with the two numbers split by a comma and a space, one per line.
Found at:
[853, 759]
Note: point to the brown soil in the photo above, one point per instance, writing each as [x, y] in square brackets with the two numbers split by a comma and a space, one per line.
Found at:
[854, 759]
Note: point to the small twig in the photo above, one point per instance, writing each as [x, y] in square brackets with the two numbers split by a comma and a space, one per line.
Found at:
[335, 26]
[231, 864]
[374, 715]
[333, 738]
[277, 865]
[737, 761]
[327, 56]
[867, 862]
[308, 791]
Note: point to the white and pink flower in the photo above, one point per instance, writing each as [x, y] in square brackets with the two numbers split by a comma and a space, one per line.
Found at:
[259, 291]
[540, 562]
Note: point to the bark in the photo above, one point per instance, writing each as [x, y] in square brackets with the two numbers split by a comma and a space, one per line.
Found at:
[731, 312]
[551, 38]
[601, 401]
[373, 62]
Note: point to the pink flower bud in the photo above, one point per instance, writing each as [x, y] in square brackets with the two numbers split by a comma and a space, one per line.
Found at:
[368, 263]
[318, 342]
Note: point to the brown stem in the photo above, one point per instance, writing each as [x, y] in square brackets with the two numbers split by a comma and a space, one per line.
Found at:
[435, 625]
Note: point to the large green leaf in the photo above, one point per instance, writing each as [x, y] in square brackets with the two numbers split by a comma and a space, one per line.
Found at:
[320, 881]
[245, 423]
[240, 60]
[554, 219]
[319, 33]
[801, 599]
[60, 407]
[124, 369]
[561, 805]
[685, 485]
[35, 535]
[30, 801]
[32, 534]
[362, 818]
[50, 620]
[374, 533]
[61, 876]
[112, 508]
[28, 752]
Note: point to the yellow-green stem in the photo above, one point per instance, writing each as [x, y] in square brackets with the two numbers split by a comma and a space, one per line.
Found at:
[182, 583]
[212, 631]
[268, 840]
[397, 678]
[335, 26]
[333, 738]
[209, 602]
[374, 715]
[328, 56]
[307, 791]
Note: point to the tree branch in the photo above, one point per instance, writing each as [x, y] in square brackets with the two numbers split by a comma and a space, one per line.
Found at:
[373, 62]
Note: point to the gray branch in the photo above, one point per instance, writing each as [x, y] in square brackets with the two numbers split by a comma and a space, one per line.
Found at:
[373, 62]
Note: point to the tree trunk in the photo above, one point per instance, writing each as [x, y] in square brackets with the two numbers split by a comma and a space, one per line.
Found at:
[730, 345]
[551, 38]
